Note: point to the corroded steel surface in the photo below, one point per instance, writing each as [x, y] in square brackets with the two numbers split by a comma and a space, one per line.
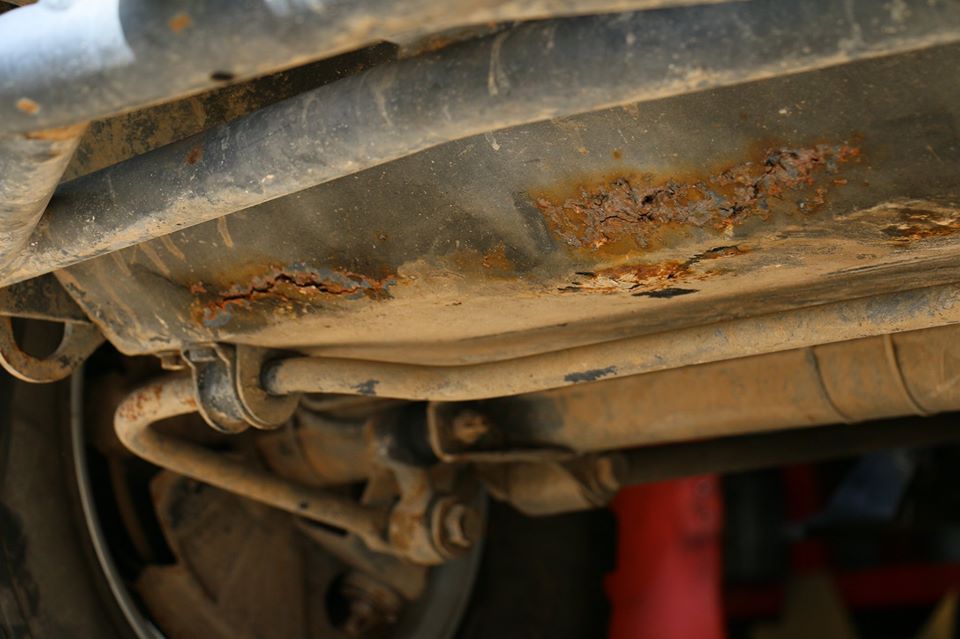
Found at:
[681, 212]
[631, 210]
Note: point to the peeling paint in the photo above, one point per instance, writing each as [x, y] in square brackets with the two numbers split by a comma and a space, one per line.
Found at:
[666, 293]
[368, 387]
[591, 375]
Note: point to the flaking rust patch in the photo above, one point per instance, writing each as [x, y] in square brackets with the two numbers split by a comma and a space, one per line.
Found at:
[286, 288]
[915, 223]
[905, 222]
[630, 210]
[652, 279]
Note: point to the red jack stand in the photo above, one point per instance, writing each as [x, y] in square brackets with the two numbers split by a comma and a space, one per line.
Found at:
[667, 584]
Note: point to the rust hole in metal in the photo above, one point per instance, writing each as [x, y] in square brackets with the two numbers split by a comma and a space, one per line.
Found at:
[632, 209]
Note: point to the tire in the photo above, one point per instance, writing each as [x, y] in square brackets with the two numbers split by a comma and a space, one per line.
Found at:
[542, 578]
[538, 577]
[50, 585]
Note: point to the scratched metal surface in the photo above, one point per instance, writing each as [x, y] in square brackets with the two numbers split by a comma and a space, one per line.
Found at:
[727, 203]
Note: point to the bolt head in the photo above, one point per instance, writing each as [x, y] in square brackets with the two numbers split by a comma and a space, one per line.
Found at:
[608, 470]
[172, 361]
[469, 427]
[373, 604]
[462, 526]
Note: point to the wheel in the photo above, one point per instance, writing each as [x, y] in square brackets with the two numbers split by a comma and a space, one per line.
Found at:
[49, 582]
[97, 543]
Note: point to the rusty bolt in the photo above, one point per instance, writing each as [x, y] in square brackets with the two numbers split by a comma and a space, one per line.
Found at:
[172, 361]
[461, 525]
[607, 470]
[373, 604]
[200, 354]
[469, 427]
[363, 617]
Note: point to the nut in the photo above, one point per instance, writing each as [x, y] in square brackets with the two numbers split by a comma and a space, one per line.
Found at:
[461, 526]
[373, 604]
[469, 427]
[172, 361]
[608, 469]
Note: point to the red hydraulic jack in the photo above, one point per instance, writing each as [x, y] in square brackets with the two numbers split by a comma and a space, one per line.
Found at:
[667, 584]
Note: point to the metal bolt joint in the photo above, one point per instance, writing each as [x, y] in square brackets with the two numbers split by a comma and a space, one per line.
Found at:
[455, 526]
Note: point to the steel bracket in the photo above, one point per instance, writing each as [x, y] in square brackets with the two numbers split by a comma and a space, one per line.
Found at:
[227, 384]
[439, 515]
[77, 344]
[459, 433]
[41, 298]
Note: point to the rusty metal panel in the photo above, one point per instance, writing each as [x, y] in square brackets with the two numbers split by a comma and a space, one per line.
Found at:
[727, 203]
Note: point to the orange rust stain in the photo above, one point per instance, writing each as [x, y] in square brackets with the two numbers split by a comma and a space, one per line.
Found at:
[28, 106]
[179, 22]
[61, 134]
[403, 529]
[617, 154]
[288, 286]
[625, 213]
[493, 263]
[639, 273]
[194, 155]
[497, 259]
[141, 402]
[819, 197]
[920, 224]
[644, 278]
[434, 43]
